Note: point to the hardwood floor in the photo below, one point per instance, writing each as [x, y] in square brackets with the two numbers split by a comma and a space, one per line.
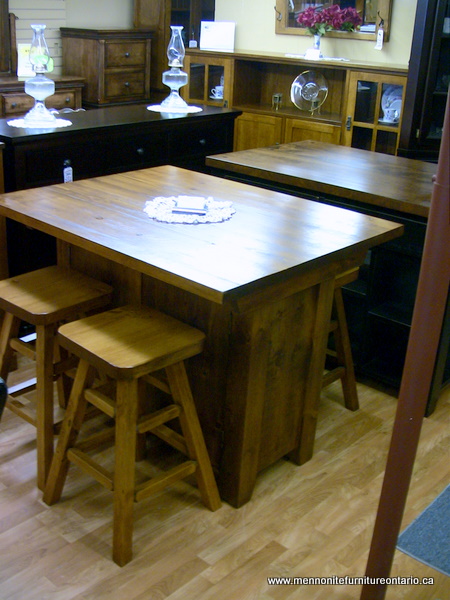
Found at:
[309, 521]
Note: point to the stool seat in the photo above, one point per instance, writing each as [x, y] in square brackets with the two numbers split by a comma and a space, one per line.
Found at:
[134, 347]
[51, 295]
[44, 299]
[154, 340]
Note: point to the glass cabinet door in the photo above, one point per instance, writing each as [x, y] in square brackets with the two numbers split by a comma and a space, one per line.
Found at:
[209, 80]
[374, 112]
[438, 79]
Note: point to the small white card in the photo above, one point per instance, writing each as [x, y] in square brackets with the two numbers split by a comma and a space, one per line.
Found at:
[191, 202]
[380, 38]
[190, 205]
[217, 35]
[24, 67]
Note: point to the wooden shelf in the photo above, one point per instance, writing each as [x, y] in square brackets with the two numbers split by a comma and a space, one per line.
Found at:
[289, 112]
[252, 79]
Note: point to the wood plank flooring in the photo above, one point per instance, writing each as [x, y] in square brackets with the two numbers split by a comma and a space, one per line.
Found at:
[309, 521]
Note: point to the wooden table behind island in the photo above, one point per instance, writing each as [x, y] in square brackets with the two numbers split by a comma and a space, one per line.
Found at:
[379, 305]
[370, 178]
[260, 285]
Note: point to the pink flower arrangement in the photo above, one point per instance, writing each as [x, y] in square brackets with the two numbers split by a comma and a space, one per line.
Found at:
[318, 22]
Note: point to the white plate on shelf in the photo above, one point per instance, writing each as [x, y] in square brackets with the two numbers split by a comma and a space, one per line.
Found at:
[391, 103]
[392, 111]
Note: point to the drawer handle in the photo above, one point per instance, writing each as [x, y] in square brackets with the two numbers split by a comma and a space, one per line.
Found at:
[127, 55]
[127, 84]
[140, 151]
[13, 104]
[67, 100]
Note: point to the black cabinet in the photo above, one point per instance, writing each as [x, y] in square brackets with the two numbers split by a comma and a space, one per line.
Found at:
[101, 142]
[428, 81]
[114, 139]
[379, 305]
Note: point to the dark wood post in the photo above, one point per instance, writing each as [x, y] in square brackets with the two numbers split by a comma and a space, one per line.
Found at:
[428, 319]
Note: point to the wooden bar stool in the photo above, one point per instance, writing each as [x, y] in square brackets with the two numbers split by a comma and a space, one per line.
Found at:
[342, 352]
[43, 298]
[130, 344]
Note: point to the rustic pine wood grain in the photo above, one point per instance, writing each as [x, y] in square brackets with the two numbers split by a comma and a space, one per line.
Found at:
[246, 280]
[391, 181]
[313, 520]
[221, 262]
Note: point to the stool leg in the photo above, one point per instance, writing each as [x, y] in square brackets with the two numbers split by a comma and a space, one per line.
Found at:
[63, 382]
[344, 354]
[45, 336]
[10, 329]
[69, 430]
[124, 469]
[181, 394]
[141, 438]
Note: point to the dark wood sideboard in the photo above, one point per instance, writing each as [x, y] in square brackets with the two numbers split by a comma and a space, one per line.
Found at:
[101, 142]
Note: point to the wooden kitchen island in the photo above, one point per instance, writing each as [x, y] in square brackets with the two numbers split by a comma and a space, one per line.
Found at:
[260, 285]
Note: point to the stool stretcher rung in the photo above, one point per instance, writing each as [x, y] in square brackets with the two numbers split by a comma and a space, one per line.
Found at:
[23, 348]
[64, 366]
[171, 437]
[148, 423]
[101, 401]
[333, 375]
[96, 440]
[21, 410]
[157, 382]
[160, 482]
[91, 467]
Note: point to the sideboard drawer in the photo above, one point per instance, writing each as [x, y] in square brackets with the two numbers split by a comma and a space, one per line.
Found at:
[200, 141]
[99, 155]
[125, 54]
[14, 104]
[19, 103]
[125, 84]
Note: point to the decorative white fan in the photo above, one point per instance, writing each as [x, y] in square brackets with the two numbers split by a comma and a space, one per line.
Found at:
[309, 91]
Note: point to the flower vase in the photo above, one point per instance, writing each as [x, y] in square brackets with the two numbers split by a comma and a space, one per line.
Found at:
[314, 53]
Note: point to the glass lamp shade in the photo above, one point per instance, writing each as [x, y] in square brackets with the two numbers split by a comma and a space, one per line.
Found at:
[175, 49]
[39, 87]
[175, 78]
[39, 53]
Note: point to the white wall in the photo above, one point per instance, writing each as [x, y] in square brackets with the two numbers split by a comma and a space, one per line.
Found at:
[99, 14]
[95, 14]
[255, 30]
[255, 26]
[50, 12]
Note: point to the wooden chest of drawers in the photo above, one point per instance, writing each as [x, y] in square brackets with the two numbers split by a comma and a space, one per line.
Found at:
[15, 102]
[115, 64]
